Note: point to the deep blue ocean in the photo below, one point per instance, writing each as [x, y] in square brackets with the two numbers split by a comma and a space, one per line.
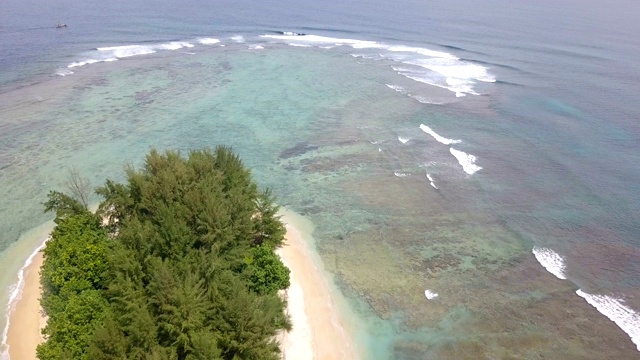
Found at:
[471, 168]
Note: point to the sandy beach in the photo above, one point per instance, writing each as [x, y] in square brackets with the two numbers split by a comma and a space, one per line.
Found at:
[26, 320]
[318, 332]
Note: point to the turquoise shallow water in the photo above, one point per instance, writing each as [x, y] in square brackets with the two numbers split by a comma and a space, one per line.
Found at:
[333, 126]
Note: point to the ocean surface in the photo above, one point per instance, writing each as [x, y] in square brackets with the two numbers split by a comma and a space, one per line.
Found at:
[471, 168]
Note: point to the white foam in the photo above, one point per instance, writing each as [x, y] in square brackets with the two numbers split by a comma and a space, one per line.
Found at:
[83, 63]
[397, 88]
[175, 45]
[615, 309]
[113, 53]
[256, 47]
[431, 181]
[361, 56]
[421, 51]
[461, 89]
[466, 160]
[430, 294]
[208, 41]
[400, 174]
[64, 72]
[421, 99]
[14, 296]
[322, 40]
[421, 64]
[425, 100]
[127, 51]
[238, 38]
[454, 75]
[403, 139]
[440, 139]
[550, 260]
[360, 44]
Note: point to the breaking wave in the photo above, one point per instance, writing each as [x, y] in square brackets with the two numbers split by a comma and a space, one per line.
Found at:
[208, 41]
[440, 139]
[466, 160]
[421, 99]
[291, 33]
[64, 72]
[113, 53]
[550, 260]
[424, 65]
[431, 181]
[615, 309]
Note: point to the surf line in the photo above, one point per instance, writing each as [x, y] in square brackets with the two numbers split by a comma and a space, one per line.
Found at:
[614, 309]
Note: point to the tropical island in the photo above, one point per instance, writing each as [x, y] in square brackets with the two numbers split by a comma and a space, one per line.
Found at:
[178, 262]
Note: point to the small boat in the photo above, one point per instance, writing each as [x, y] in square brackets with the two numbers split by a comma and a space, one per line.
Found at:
[61, 25]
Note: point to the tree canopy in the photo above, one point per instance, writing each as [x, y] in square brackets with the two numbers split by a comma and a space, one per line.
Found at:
[177, 263]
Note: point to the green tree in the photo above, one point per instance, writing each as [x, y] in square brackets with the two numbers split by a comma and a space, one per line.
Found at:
[76, 255]
[63, 205]
[70, 330]
[267, 274]
[183, 269]
[267, 226]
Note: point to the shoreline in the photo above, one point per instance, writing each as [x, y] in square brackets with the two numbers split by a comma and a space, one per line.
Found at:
[26, 319]
[318, 332]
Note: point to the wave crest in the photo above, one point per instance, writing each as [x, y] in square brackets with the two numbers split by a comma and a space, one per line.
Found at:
[466, 160]
[550, 260]
[615, 309]
[440, 139]
[437, 68]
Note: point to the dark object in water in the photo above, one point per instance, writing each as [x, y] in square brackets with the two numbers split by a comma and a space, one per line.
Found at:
[297, 150]
[61, 25]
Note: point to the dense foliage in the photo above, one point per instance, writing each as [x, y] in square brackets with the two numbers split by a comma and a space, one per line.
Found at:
[177, 263]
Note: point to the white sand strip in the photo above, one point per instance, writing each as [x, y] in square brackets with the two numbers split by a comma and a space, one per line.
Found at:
[318, 331]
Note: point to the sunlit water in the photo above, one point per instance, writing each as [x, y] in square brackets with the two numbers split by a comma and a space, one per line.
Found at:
[435, 155]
